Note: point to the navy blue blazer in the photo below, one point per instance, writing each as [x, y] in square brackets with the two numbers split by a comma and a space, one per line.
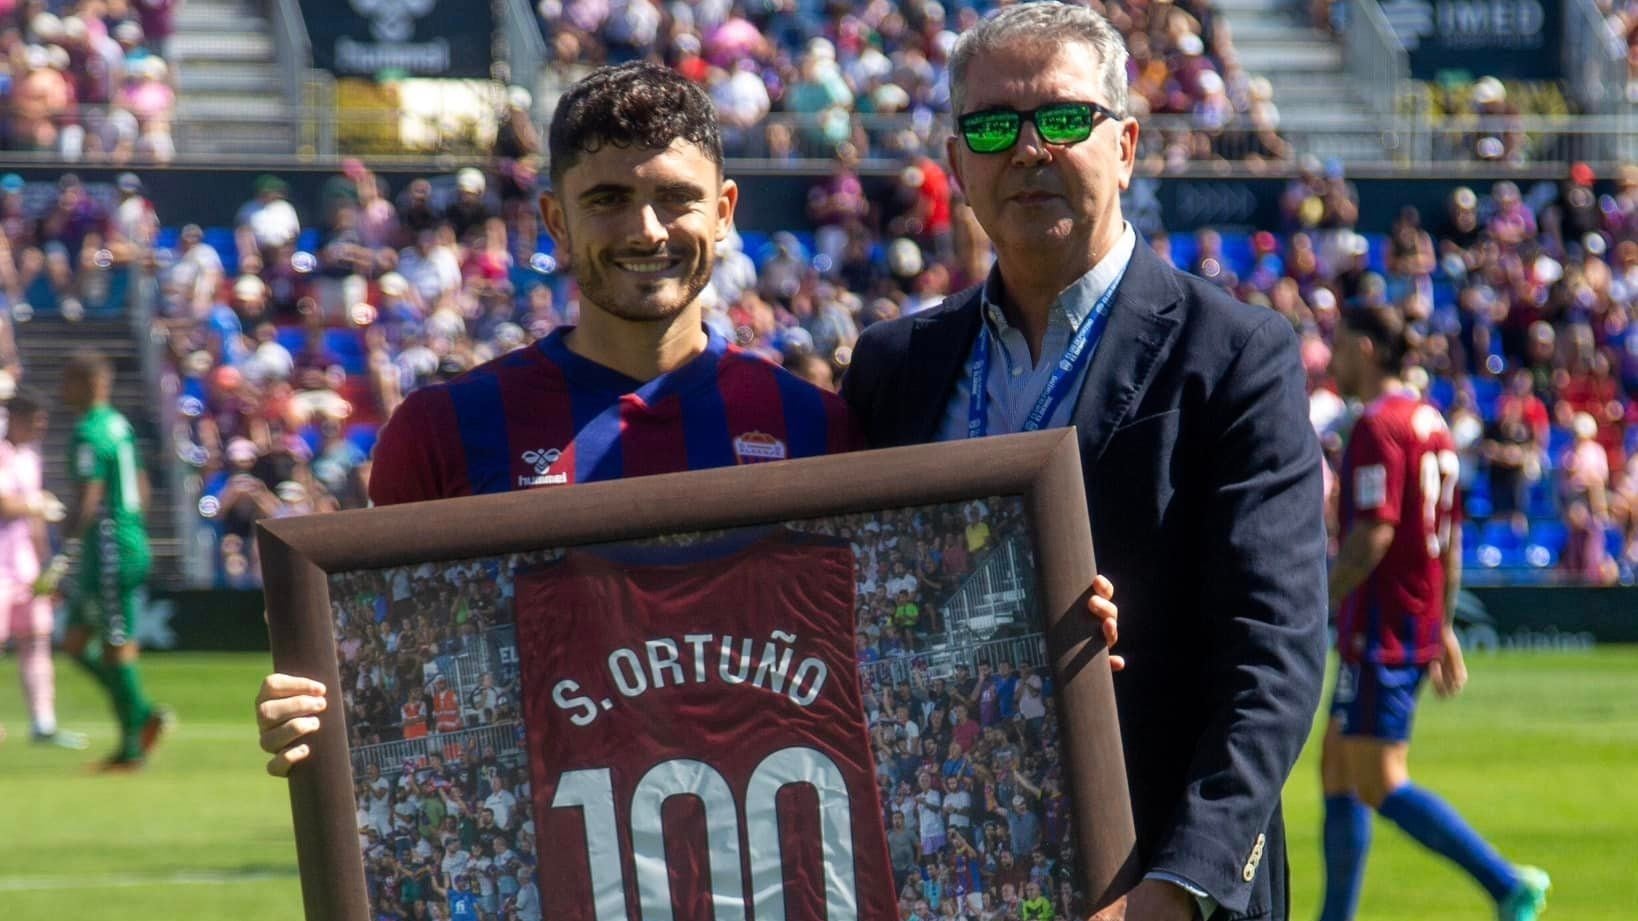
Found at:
[1203, 486]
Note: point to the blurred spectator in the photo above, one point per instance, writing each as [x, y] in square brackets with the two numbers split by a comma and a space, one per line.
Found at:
[518, 154]
[87, 82]
[802, 79]
[1518, 323]
[265, 225]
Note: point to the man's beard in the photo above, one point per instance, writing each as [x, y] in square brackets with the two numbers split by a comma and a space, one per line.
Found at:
[599, 285]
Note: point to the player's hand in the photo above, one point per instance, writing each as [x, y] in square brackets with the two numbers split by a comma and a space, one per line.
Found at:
[1152, 900]
[1102, 606]
[287, 709]
[1448, 672]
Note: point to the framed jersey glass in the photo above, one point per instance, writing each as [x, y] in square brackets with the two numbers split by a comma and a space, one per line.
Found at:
[845, 688]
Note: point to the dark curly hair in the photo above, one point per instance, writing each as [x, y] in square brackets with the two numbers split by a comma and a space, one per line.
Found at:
[631, 105]
[1384, 326]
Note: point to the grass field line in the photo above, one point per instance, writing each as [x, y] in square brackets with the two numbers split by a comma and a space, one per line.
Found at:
[184, 731]
[132, 880]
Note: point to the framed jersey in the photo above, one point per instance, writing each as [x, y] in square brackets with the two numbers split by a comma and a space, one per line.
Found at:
[843, 688]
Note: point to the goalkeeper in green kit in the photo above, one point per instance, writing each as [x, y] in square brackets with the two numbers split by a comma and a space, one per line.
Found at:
[108, 546]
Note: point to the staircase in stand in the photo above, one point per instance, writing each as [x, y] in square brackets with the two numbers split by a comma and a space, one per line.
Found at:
[44, 345]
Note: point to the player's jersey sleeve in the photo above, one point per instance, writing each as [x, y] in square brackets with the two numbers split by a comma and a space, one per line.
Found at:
[1377, 474]
[417, 456]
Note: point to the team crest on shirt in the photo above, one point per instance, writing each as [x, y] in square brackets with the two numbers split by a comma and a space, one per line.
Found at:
[759, 448]
[540, 462]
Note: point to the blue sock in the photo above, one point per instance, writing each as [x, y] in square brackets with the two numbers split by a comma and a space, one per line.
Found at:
[1437, 827]
[1347, 841]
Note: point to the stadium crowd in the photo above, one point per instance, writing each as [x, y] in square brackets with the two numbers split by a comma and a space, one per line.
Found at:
[907, 563]
[90, 80]
[292, 344]
[442, 789]
[972, 783]
[795, 79]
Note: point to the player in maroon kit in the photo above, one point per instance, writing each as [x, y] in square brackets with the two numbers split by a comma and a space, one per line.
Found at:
[1394, 586]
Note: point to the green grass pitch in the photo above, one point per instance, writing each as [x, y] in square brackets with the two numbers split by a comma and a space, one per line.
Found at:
[1540, 753]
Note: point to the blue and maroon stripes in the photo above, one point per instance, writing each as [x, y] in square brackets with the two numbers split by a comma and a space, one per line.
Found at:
[481, 430]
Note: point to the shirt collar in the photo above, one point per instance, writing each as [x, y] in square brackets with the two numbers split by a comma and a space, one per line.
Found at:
[1075, 303]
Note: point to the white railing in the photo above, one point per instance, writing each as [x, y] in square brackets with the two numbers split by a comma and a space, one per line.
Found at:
[998, 594]
[525, 47]
[941, 662]
[390, 757]
[1375, 58]
[1595, 58]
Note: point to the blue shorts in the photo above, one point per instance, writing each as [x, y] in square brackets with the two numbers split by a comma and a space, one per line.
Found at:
[1377, 701]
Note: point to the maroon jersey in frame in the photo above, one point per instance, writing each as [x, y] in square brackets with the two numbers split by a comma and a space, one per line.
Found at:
[696, 735]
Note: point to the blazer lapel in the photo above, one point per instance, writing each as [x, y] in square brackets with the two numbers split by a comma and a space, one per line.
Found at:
[939, 344]
[1139, 328]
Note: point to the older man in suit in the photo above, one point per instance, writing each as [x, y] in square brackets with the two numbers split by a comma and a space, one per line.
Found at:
[1202, 474]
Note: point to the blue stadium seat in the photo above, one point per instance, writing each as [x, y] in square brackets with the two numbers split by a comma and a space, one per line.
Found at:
[1237, 253]
[1559, 440]
[1442, 392]
[1542, 502]
[1614, 542]
[751, 242]
[1500, 534]
[1184, 249]
[292, 338]
[1485, 392]
[804, 239]
[168, 237]
[1631, 443]
[1545, 543]
[1444, 294]
[347, 346]
[308, 242]
[363, 436]
[1478, 506]
[221, 240]
[1470, 545]
[1376, 258]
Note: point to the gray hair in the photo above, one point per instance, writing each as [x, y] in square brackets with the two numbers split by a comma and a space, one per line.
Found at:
[1044, 24]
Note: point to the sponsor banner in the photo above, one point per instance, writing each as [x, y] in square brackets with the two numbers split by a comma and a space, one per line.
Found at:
[420, 38]
[1538, 618]
[1510, 39]
[1546, 618]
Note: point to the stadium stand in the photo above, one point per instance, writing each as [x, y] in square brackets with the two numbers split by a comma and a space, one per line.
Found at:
[287, 369]
[88, 83]
[292, 332]
[798, 80]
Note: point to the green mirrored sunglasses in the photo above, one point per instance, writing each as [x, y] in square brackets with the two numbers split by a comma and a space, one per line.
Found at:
[996, 130]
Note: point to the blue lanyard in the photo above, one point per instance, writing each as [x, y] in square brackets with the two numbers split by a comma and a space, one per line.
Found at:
[1064, 373]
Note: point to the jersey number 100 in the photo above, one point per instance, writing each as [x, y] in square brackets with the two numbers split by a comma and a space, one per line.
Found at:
[592, 791]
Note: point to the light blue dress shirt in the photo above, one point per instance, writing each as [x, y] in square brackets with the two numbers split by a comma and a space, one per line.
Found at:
[1014, 383]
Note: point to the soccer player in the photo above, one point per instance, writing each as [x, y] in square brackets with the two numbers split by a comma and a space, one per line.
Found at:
[25, 605]
[1394, 586]
[107, 534]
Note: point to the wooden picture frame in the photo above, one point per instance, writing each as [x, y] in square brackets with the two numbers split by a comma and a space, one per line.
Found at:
[1041, 472]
